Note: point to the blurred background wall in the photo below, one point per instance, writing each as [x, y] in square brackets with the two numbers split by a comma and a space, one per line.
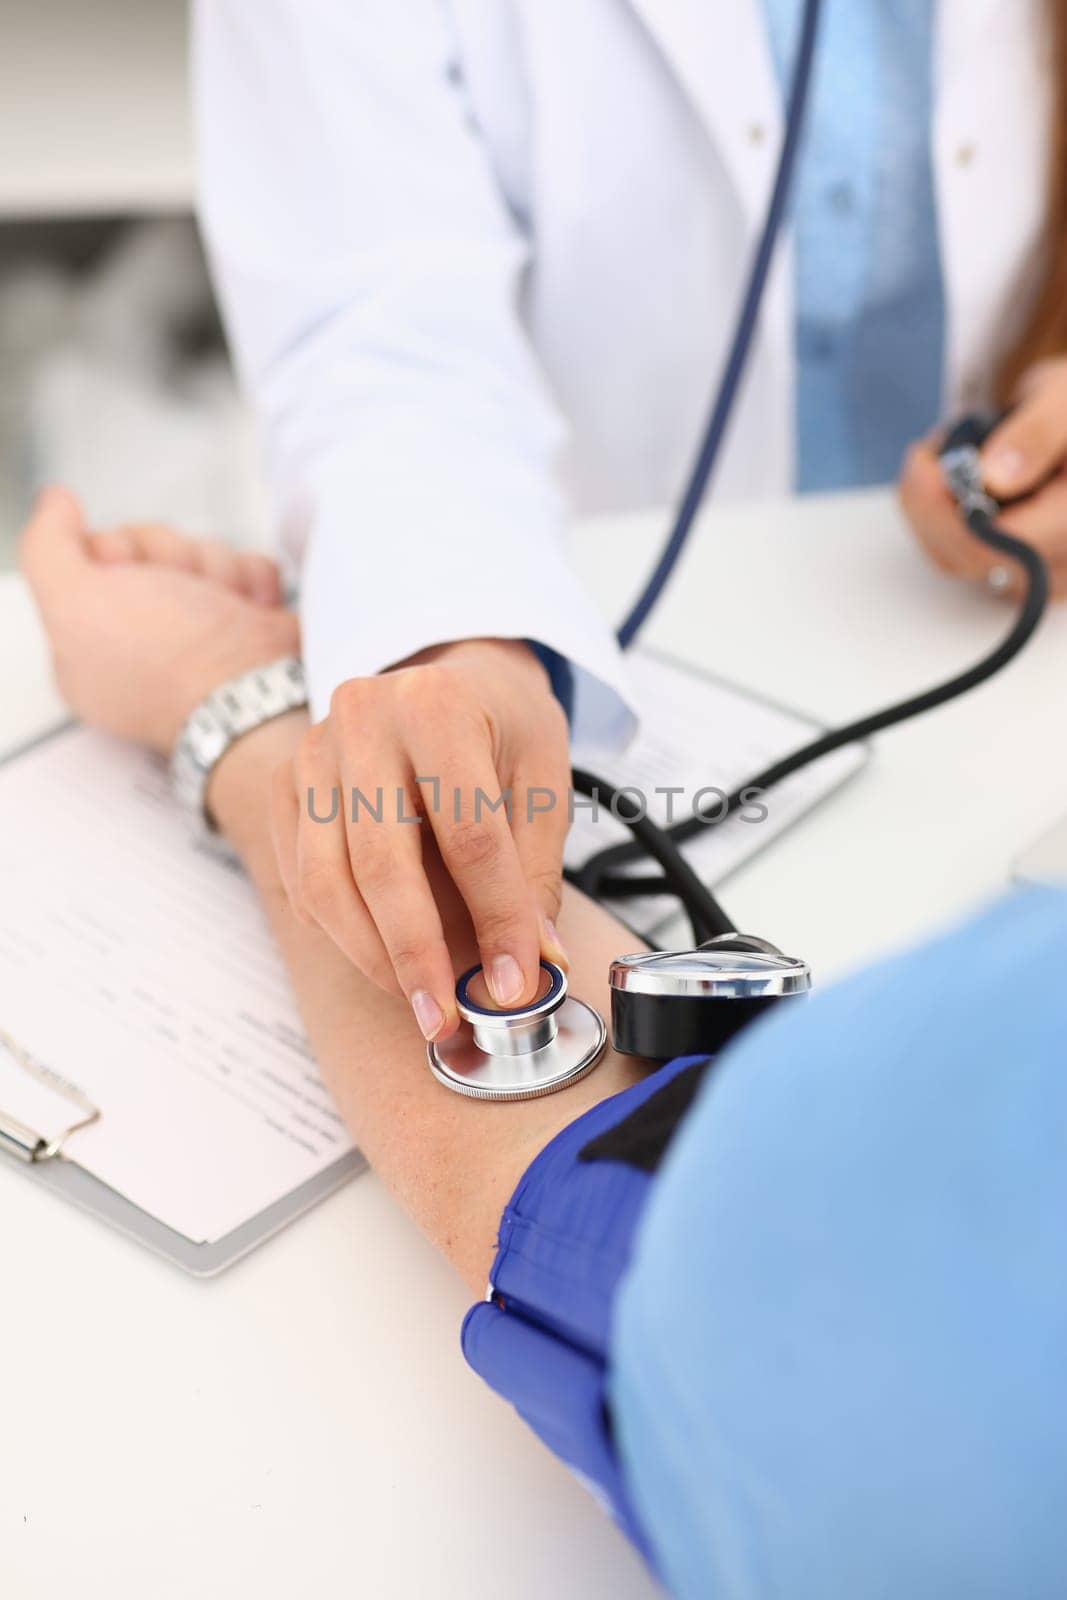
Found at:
[113, 376]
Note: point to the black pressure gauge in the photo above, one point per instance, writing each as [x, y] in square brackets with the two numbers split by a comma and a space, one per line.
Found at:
[692, 1002]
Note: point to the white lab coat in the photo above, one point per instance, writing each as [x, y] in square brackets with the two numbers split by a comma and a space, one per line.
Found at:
[480, 260]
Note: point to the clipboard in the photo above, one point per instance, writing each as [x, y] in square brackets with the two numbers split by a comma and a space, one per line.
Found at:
[47, 1162]
[80, 1188]
[688, 710]
[49, 1159]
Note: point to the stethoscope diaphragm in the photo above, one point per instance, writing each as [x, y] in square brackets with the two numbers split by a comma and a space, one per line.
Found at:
[519, 1054]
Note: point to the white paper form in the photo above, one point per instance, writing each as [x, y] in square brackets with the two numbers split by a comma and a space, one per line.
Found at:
[699, 733]
[138, 966]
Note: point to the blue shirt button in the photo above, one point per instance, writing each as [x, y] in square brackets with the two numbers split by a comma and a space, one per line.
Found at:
[842, 197]
[816, 344]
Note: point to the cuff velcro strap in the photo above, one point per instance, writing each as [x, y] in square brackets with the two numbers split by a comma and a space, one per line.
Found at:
[641, 1139]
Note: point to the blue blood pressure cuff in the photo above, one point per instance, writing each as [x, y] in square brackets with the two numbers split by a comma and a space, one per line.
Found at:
[542, 1337]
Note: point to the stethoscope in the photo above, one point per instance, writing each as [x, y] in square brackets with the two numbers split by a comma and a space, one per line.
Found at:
[673, 1003]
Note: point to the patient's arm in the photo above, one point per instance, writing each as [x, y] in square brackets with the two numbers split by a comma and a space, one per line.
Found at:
[142, 623]
[451, 1161]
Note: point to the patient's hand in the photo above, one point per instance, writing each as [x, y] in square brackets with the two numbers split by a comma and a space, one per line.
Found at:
[144, 622]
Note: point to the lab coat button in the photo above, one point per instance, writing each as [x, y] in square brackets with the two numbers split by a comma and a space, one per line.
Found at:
[965, 154]
[757, 133]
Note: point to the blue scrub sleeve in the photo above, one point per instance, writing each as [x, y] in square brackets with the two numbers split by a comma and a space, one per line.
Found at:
[839, 1362]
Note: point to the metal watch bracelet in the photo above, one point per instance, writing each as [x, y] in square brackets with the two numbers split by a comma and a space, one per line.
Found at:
[235, 708]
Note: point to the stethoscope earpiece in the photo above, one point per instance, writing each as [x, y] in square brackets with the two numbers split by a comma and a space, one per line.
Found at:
[520, 1054]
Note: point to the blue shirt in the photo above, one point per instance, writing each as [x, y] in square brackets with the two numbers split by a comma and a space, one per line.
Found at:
[838, 1362]
[869, 295]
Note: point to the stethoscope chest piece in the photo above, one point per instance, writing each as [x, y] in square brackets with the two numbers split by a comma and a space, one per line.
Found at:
[521, 1054]
[692, 1002]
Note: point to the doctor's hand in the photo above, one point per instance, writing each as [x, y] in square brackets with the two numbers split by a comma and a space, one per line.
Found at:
[1025, 456]
[456, 758]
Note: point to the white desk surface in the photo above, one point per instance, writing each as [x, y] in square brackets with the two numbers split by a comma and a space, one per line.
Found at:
[305, 1424]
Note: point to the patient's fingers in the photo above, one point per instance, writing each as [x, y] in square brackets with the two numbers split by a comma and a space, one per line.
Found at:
[219, 563]
[114, 547]
[246, 572]
[153, 542]
[263, 580]
[163, 545]
[52, 550]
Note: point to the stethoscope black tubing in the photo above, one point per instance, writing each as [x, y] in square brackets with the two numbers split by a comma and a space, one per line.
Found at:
[598, 877]
[705, 914]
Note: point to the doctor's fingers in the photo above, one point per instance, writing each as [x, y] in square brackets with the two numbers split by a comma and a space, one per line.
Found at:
[935, 520]
[308, 814]
[359, 875]
[384, 839]
[1041, 520]
[467, 805]
[540, 823]
[1010, 583]
[308, 827]
[1031, 442]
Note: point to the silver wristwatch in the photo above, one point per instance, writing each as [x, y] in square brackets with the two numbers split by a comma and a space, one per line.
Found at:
[229, 712]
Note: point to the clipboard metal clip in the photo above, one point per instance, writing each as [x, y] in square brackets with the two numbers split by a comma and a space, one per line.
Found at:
[23, 1142]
